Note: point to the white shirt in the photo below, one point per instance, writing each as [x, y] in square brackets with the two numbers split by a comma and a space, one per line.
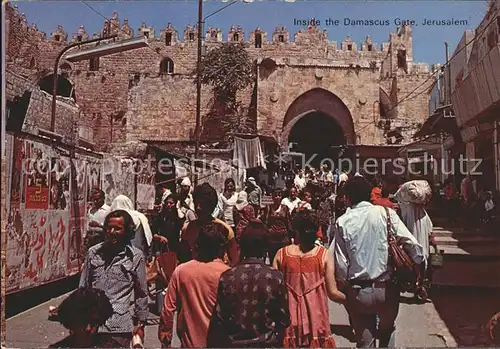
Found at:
[329, 176]
[225, 208]
[360, 244]
[343, 177]
[300, 183]
[292, 205]
[98, 215]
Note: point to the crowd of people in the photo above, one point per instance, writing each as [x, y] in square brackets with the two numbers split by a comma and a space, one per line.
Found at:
[247, 274]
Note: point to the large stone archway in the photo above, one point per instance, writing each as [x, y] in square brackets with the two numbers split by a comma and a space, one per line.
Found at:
[319, 101]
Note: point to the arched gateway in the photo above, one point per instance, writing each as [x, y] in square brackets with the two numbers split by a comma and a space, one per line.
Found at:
[318, 122]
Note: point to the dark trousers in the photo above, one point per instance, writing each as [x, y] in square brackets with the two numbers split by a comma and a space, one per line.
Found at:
[366, 304]
[114, 340]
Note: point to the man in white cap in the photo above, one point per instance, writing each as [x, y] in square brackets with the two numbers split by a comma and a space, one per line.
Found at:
[254, 194]
[185, 206]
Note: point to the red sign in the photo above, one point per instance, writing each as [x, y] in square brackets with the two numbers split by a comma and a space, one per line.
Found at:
[37, 180]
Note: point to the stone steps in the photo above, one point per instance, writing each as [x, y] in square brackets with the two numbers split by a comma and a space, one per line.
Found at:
[467, 240]
[470, 259]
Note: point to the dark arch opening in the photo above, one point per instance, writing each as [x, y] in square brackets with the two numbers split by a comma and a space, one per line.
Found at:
[167, 66]
[65, 67]
[317, 133]
[64, 87]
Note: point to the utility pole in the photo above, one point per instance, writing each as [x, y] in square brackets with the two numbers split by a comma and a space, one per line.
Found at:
[198, 87]
[448, 95]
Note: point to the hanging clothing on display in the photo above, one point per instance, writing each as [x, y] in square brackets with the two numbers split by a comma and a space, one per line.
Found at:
[248, 153]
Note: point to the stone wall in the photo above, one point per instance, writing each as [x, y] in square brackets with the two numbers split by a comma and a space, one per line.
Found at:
[39, 112]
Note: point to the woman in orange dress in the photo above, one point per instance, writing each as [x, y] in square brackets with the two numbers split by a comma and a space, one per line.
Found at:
[309, 274]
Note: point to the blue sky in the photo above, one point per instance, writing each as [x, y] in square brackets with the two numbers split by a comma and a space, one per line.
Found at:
[428, 41]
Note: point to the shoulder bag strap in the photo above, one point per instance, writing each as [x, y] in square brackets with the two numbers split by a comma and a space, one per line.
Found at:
[390, 235]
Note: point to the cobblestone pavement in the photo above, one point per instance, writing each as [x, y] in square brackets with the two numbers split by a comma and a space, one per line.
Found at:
[454, 318]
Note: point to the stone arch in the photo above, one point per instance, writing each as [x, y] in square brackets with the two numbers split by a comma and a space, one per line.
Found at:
[385, 105]
[64, 87]
[321, 101]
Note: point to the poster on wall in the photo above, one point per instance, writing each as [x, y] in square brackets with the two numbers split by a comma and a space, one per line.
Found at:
[75, 250]
[59, 184]
[81, 186]
[108, 181]
[93, 177]
[17, 171]
[37, 179]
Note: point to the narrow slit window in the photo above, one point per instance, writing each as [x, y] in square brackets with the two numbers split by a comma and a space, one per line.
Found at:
[258, 40]
[94, 64]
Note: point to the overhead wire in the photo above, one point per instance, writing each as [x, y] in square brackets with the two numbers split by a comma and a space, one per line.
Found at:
[111, 23]
[476, 36]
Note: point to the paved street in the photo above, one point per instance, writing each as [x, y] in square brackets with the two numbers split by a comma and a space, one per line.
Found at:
[456, 318]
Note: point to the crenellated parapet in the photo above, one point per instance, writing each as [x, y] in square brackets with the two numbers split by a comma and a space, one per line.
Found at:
[126, 31]
[190, 34]
[145, 31]
[258, 37]
[213, 35]
[80, 35]
[312, 35]
[34, 30]
[368, 45]
[281, 35]
[169, 35]
[348, 44]
[236, 34]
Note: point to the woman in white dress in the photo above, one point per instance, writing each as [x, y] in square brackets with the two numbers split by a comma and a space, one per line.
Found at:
[227, 202]
[419, 223]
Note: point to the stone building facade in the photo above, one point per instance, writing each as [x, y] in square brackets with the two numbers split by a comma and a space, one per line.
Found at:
[150, 93]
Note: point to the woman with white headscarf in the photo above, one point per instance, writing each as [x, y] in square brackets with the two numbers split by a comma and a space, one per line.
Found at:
[143, 236]
[412, 198]
[243, 213]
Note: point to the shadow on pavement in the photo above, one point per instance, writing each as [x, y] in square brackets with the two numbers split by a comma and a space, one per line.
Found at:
[18, 302]
[466, 313]
[345, 331]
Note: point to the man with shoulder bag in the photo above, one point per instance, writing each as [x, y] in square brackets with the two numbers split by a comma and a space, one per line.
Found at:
[377, 258]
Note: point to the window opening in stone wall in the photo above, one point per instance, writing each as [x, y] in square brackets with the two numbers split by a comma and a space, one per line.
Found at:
[64, 86]
[94, 64]
[65, 67]
[167, 66]
[57, 37]
[213, 34]
[349, 47]
[146, 34]
[402, 59]
[235, 37]
[79, 38]
[191, 36]
[281, 38]
[370, 47]
[168, 39]
[258, 40]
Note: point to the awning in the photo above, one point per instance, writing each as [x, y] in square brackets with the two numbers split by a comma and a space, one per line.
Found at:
[441, 121]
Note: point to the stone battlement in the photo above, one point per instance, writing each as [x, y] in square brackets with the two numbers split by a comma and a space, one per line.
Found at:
[310, 36]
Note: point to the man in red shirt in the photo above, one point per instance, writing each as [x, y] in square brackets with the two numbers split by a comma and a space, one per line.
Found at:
[384, 200]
